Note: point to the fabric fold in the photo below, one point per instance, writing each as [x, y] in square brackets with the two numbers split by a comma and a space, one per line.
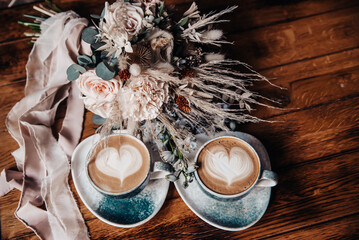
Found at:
[46, 204]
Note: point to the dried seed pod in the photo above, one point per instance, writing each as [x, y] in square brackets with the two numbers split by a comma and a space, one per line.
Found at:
[187, 73]
[183, 104]
[124, 75]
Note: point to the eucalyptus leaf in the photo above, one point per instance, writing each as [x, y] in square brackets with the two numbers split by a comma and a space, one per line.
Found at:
[73, 72]
[104, 54]
[84, 60]
[93, 58]
[88, 35]
[95, 16]
[103, 13]
[183, 22]
[232, 125]
[98, 120]
[78, 68]
[96, 45]
[104, 71]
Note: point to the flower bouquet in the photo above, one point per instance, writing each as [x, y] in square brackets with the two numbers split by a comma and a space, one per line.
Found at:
[136, 67]
[158, 77]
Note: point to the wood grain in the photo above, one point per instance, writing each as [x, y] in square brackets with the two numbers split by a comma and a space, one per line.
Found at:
[325, 190]
[340, 228]
[305, 38]
[309, 47]
[247, 16]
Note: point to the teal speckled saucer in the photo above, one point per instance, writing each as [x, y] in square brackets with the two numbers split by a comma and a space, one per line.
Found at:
[231, 216]
[126, 213]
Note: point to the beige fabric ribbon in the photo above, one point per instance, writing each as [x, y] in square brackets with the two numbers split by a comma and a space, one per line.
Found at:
[46, 204]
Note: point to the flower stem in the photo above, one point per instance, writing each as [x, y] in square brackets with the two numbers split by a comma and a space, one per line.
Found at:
[53, 6]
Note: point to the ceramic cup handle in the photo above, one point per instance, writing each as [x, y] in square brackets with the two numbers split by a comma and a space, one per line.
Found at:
[268, 179]
[160, 170]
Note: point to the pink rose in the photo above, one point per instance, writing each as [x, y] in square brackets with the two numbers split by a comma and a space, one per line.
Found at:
[134, 19]
[98, 94]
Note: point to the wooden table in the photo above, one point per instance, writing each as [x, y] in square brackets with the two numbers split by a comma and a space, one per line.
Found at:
[309, 47]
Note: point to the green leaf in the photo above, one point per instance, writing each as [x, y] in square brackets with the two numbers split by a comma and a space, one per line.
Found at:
[103, 13]
[161, 8]
[95, 16]
[88, 35]
[104, 71]
[96, 45]
[84, 60]
[93, 58]
[183, 22]
[98, 120]
[157, 20]
[79, 68]
[73, 72]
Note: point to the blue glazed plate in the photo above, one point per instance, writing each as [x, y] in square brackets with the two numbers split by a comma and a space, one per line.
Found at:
[126, 213]
[231, 216]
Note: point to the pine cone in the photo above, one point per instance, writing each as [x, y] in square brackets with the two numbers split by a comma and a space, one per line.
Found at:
[183, 104]
[124, 75]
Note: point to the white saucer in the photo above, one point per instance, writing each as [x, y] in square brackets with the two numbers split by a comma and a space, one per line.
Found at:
[232, 216]
[126, 213]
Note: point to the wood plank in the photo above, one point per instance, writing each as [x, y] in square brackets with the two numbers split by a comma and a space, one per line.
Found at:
[323, 190]
[335, 32]
[301, 39]
[321, 121]
[306, 93]
[247, 16]
[310, 134]
[326, 189]
[342, 228]
[11, 227]
[339, 80]
[322, 65]
[13, 58]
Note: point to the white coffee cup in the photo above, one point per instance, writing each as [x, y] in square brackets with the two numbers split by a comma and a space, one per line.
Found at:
[264, 178]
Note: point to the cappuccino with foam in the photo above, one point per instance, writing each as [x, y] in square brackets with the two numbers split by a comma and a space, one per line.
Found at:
[228, 166]
[118, 163]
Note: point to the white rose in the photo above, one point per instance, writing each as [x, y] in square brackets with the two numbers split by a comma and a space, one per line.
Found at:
[134, 19]
[98, 94]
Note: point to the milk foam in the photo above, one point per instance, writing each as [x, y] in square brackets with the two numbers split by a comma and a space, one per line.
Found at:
[228, 167]
[119, 164]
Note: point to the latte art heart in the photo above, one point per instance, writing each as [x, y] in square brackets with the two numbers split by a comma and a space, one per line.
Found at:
[119, 164]
[228, 167]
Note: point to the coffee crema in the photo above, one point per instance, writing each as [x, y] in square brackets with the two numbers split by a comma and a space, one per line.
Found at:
[118, 163]
[228, 166]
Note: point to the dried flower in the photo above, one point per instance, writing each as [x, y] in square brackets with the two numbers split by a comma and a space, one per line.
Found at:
[141, 55]
[113, 31]
[168, 156]
[124, 75]
[187, 73]
[143, 98]
[161, 44]
[183, 104]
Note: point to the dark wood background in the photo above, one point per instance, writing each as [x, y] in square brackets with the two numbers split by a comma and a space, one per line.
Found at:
[309, 47]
